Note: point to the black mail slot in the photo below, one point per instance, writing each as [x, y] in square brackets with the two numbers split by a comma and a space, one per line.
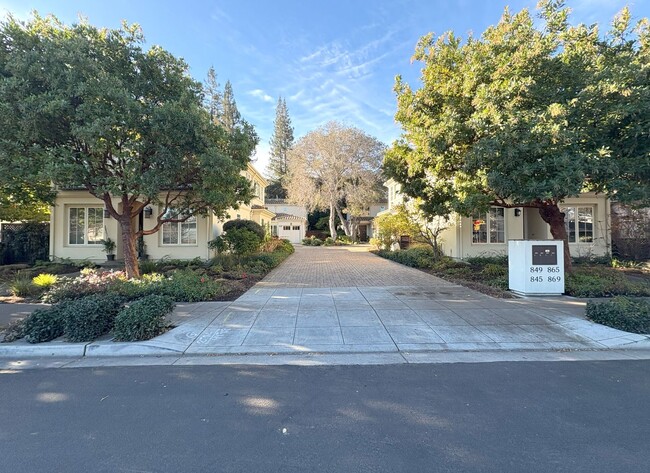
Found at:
[545, 255]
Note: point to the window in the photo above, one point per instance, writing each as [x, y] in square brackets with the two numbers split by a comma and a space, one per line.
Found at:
[179, 233]
[489, 227]
[286, 227]
[296, 227]
[579, 222]
[274, 230]
[85, 225]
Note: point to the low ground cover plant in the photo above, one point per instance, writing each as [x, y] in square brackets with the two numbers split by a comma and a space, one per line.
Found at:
[590, 278]
[143, 319]
[622, 313]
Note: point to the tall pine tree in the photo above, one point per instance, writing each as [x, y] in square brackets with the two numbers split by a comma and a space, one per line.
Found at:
[212, 95]
[281, 142]
[230, 116]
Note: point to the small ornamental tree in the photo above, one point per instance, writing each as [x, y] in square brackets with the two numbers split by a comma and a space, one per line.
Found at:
[526, 117]
[90, 108]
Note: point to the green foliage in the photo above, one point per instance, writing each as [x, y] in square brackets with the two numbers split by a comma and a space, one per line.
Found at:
[87, 318]
[247, 225]
[316, 242]
[281, 142]
[377, 243]
[528, 113]
[417, 257]
[391, 226]
[29, 243]
[186, 285]
[329, 241]
[143, 319]
[600, 281]
[45, 280]
[239, 241]
[109, 246]
[14, 331]
[44, 325]
[621, 313]
[91, 108]
[22, 286]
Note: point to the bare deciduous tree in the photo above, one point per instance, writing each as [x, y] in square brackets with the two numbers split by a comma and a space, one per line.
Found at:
[335, 167]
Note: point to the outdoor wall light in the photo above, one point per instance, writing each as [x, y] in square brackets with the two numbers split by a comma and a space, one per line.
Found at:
[107, 214]
[148, 212]
[517, 212]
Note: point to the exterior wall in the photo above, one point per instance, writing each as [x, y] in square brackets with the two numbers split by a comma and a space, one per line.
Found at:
[59, 226]
[207, 227]
[395, 196]
[294, 236]
[291, 209]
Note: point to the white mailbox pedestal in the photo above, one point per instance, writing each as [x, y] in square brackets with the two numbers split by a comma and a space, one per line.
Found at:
[536, 267]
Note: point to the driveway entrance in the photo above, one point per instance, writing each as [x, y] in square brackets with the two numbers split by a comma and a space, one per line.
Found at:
[345, 299]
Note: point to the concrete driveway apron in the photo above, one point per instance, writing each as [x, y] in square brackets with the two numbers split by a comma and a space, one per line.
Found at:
[347, 300]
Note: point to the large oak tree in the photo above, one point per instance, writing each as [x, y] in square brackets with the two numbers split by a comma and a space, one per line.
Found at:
[91, 108]
[526, 116]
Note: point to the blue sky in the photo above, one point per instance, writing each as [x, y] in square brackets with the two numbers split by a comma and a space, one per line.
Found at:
[330, 59]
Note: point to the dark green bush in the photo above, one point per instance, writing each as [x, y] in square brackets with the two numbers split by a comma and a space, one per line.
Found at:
[143, 319]
[417, 257]
[622, 313]
[245, 225]
[90, 317]
[501, 260]
[44, 325]
[239, 241]
[329, 241]
[14, 331]
[602, 282]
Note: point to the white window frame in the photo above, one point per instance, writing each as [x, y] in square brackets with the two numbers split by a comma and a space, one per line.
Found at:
[576, 213]
[179, 229]
[87, 241]
[487, 218]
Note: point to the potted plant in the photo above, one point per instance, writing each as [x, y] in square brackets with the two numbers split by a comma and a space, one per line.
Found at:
[109, 249]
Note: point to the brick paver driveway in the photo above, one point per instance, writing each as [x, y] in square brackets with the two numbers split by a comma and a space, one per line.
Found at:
[345, 299]
[344, 266]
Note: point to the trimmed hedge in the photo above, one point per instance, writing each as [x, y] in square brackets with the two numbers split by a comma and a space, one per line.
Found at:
[91, 317]
[144, 319]
[622, 313]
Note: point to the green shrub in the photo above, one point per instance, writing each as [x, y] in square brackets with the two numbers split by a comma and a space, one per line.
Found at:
[602, 282]
[316, 242]
[44, 325]
[148, 267]
[45, 280]
[90, 317]
[22, 286]
[329, 241]
[416, 257]
[245, 225]
[239, 241]
[307, 241]
[186, 285]
[500, 260]
[493, 270]
[622, 313]
[143, 319]
[14, 331]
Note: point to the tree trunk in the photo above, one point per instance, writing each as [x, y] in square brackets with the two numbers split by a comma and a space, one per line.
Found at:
[552, 215]
[333, 233]
[345, 223]
[129, 245]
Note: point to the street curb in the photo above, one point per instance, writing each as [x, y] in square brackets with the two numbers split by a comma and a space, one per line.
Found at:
[43, 350]
[116, 349]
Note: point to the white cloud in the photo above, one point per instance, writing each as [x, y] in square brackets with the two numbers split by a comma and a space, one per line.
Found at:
[260, 94]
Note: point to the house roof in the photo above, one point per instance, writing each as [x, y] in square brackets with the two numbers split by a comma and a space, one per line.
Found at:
[277, 201]
[282, 216]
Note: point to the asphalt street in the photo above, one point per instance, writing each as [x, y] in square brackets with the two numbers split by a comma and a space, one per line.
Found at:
[488, 417]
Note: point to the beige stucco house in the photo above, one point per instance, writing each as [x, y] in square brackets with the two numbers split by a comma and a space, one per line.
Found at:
[78, 223]
[588, 222]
